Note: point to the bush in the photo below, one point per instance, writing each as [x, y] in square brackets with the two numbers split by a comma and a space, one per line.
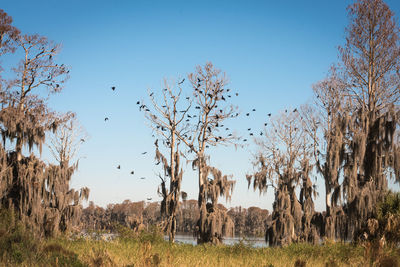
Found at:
[389, 218]
[154, 235]
[16, 242]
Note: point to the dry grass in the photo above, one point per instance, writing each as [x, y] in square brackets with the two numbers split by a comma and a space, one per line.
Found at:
[148, 249]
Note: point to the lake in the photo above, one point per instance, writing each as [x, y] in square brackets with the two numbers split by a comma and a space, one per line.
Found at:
[256, 242]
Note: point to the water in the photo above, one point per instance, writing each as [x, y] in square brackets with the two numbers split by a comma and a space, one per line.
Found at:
[256, 242]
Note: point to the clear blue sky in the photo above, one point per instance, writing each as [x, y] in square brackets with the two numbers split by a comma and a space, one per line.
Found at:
[272, 51]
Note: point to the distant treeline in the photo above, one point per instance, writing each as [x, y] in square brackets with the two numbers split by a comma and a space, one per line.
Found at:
[141, 215]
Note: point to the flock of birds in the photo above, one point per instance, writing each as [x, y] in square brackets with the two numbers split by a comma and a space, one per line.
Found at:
[143, 153]
[144, 107]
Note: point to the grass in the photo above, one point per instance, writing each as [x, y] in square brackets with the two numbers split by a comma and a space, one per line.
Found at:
[18, 248]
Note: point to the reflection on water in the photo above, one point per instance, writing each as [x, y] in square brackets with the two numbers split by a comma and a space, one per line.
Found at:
[256, 242]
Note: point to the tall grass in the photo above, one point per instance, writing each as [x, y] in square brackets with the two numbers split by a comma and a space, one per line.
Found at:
[18, 248]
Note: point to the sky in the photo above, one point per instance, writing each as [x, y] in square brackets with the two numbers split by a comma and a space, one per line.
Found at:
[272, 52]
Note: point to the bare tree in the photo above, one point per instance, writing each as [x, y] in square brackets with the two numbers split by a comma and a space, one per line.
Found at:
[65, 142]
[284, 163]
[168, 120]
[210, 95]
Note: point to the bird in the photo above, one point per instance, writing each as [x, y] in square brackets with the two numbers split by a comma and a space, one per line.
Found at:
[151, 94]
[265, 124]
[149, 198]
[106, 119]
[254, 109]
[82, 140]
[142, 178]
[251, 134]
[113, 88]
[237, 94]
[261, 133]
[294, 110]
[144, 153]
[137, 103]
[182, 81]
[269, 114]
[247, 114]
[119, 167]
[248, 129]
[244, 140]
[132, 172]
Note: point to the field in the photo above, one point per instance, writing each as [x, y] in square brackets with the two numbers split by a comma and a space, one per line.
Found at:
[149, 249]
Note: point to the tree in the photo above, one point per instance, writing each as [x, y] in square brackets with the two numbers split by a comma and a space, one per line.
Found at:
[284, 163]
[39, 193]
[25, 115]
[7, 33]
[327, 126]
[361, 105]
[168, 121]
[371, 63]
[210, 96]
[65, 142]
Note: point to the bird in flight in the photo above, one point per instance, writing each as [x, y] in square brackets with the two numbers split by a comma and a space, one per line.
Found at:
[106, 119]
[269, 114]
[149, 198]
[182, 81]
[119, 167]
[113, 88]
[247, 114]
[144, 153]
[132, 172]
[142, 178]
[82, 140]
